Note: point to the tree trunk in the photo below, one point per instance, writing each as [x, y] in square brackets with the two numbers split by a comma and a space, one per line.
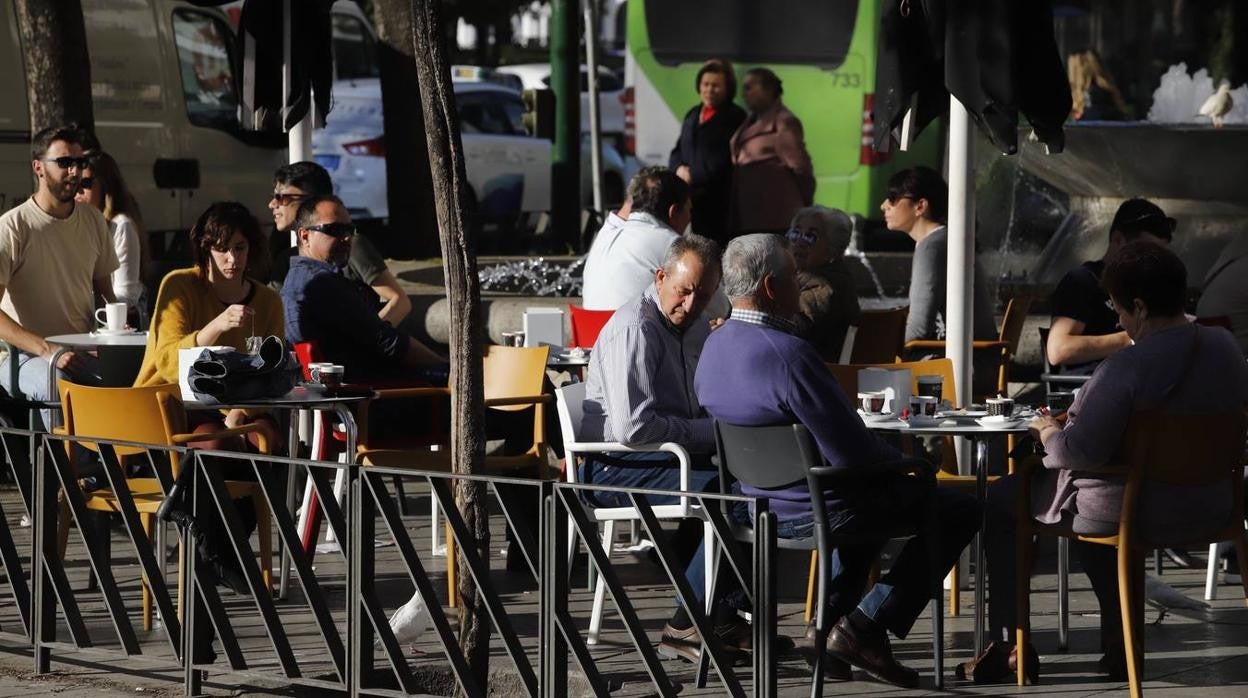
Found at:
[409, 186]
[58, 68]
[446, 160]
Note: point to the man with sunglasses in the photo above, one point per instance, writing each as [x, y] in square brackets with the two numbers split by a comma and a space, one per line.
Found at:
[1085, 327]
[828, 303]
[323, 306]
[299, 181]
[55, 260]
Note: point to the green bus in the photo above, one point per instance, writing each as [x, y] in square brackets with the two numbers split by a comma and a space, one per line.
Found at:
[823, 50]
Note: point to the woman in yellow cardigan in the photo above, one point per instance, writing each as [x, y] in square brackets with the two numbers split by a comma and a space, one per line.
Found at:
[213, 303]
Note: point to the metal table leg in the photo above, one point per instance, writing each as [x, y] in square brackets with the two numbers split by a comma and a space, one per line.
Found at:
[981, 489]
[292, 450]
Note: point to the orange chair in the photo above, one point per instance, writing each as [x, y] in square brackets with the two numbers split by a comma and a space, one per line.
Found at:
[879, 335]
[513, 380]
[847, 377]
[151, 415]
[586, 324]
[1006, 344]
[1159, 452]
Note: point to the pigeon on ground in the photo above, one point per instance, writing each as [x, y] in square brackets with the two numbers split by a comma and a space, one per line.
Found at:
[1218, 104]
[1166, 598]
[410, 621]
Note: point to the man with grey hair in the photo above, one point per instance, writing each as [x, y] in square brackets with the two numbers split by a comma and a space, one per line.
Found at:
[640, 391]
[779, 378]
[828, 304]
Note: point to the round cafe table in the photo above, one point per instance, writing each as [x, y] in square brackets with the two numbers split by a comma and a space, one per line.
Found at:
[965, 425]
[90, 341]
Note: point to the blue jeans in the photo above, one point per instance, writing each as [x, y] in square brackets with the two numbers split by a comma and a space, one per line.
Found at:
[32, 379]
[897, 504]
[657, 471]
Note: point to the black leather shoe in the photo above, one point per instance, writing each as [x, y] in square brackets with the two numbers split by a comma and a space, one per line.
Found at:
[869, 650]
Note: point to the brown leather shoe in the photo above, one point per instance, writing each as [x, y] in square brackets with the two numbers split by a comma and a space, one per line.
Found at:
[687, 644]
[833, 667]
[869, 650]
[998, 663]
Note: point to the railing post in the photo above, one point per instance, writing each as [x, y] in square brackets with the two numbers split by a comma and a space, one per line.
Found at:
[764, 600]
[553, 604]
[43, 627]
[191, 615]
[360, 553]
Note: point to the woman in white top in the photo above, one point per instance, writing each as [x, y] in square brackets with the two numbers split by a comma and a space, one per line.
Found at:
[104, 188]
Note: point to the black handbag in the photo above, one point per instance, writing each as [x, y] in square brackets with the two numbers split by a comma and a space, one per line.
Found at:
[229, 377]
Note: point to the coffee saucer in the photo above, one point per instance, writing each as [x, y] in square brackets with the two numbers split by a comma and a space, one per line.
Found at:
[1000, 422]
[105, 332]
[881, 417]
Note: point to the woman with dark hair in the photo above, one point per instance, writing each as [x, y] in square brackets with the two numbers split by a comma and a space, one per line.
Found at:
[772, 176]
[103, 187]
[1172, 365]
[702, 156]
[917, 205]
[214, 303]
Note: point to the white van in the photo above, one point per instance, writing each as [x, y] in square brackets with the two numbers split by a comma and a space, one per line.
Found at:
[166, 105]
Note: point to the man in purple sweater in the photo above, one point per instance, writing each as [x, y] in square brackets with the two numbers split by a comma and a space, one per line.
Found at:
[755, 372]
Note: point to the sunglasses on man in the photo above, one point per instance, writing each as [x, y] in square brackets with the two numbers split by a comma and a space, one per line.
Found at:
[65, 162]
[337, 230]
[283, 199]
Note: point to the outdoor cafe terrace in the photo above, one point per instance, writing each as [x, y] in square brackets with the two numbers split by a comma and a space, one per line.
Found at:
[291, 647]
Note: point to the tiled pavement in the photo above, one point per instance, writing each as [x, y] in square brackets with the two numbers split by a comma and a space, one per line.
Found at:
[1205, 655]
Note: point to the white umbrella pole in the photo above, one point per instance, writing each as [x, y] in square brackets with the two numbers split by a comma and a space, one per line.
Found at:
[299, 138]
[959, 278]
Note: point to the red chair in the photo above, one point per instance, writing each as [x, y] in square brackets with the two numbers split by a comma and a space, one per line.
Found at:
[586, 324]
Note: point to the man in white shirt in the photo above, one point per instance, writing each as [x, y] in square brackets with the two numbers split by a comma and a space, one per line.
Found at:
[55, 259]
[622, 261]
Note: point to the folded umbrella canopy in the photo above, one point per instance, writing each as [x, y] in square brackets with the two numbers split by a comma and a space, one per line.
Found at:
[263, 47]
[997, 57]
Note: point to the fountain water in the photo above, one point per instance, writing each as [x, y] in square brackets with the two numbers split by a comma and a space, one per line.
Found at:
[533, 277]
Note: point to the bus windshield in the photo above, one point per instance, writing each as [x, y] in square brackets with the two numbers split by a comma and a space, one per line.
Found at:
[802, 32]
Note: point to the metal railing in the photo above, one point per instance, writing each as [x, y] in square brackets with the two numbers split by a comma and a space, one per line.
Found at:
[353, 648]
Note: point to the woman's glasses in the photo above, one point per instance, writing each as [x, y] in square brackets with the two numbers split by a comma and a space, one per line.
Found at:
[86, 182]
[894, 198]
[808, 237]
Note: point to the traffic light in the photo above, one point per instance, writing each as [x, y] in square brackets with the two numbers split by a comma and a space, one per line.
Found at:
[539, 113]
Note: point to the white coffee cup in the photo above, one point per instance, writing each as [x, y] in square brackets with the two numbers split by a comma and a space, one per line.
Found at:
[874, 402]
[314, 370]
[114, 319]
[331, 375]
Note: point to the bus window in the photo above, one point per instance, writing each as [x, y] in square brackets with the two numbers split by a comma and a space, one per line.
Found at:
[204, 57]
[802, 32]
[355, 50]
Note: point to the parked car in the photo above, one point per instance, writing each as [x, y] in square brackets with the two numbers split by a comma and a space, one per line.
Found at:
[508, 170]
[610, 89]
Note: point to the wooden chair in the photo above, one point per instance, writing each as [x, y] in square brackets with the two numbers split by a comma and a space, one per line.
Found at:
[1159, 451]
[151, 415]
[1006, 343]
[880, 335]
[512, 379]
[586, 324]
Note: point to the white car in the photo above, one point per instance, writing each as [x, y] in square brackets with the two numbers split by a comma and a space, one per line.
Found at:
[508, 170]
[610, 88]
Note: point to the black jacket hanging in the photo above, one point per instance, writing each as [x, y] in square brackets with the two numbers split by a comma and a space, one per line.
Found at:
[998, 57]
[311, 57]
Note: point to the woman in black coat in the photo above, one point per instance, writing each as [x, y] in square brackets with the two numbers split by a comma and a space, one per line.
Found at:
[702, 155]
